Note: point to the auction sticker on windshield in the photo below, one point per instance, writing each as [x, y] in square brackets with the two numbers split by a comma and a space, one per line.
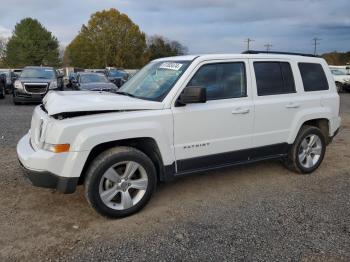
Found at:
[171, 66]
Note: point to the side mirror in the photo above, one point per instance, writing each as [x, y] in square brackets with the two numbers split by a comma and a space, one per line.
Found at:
[193, 94]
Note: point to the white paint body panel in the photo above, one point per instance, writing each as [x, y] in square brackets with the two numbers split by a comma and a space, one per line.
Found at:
[197, 124]
[268, 121]
[78, 101]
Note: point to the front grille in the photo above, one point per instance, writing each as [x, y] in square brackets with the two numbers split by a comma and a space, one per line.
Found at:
[39, 88]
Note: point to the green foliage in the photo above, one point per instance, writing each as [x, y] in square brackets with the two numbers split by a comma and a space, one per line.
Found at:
[335, 58]
[2, 51]
[160, 47]
[31, 44]
[109, 39]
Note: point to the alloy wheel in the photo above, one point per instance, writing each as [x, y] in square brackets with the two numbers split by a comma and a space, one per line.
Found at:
[123, 185]
[310, 151]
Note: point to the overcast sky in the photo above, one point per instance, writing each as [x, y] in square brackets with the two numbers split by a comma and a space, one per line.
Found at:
[204, 26]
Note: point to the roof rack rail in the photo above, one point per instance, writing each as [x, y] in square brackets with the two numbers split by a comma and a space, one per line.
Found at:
[278, 53]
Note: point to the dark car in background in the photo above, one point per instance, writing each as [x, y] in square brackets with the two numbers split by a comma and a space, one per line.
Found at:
[34, 82]
[2, 85]
[117, 76]
[93, 82]
[17, 71]
[72, 77]
[10, 78]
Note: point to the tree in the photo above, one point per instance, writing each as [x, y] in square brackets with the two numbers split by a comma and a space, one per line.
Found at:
[158, 47]
[3, 42]
[109, 39]
[337, 58]
[32, 44]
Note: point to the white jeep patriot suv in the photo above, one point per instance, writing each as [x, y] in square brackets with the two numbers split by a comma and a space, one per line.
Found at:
[177, 116]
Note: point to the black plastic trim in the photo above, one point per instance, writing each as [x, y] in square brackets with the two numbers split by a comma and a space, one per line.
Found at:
[46, 179]
[215, 161]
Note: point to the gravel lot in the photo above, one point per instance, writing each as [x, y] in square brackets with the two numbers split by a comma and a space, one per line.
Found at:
[259, 212]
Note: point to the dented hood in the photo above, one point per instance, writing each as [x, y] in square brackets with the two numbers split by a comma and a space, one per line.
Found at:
[92, 101]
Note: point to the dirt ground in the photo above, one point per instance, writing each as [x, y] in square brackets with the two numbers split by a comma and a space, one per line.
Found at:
[259, 212]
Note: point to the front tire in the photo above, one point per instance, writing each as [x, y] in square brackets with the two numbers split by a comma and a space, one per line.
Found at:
[120, 182]
[307, 151]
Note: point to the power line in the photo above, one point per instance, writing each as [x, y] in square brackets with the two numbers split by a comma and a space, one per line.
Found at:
[268, 47]
[248, 41]
[316, 42]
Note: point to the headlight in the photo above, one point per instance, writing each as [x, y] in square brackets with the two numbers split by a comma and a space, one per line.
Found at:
[57, 148]
[53, 85]
[18, 85]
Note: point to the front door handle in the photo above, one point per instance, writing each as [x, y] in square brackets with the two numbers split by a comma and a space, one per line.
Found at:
[240, 111]
[292, 105]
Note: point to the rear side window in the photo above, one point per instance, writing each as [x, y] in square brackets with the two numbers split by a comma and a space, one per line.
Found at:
[274, 78]
[222, 80]
[314, 78]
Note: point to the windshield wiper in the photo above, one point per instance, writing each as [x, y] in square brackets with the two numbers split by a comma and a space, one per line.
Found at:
[124, 93]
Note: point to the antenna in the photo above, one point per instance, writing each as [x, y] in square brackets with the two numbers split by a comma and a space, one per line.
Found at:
[268, 47]
[316, 43]
[248, 41]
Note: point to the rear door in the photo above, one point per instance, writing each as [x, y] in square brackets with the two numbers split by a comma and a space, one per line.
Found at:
[276, 104]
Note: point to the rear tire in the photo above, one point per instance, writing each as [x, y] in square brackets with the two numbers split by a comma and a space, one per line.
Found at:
[307, 151]
[120, 182]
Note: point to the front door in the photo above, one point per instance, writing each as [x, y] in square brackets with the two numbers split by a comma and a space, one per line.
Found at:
[218, 132]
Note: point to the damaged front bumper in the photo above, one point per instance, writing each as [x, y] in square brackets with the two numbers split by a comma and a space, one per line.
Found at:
[34, 164]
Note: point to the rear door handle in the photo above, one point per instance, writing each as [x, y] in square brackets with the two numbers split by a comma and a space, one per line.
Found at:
[292, 105]
[240, 111]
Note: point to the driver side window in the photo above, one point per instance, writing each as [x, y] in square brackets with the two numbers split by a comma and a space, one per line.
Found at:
[221, 80]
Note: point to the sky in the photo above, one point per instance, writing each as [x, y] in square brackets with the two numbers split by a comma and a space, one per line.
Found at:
[204, 26]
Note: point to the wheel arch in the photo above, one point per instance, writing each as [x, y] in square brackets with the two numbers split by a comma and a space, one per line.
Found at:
[322, 123]
[147, 145]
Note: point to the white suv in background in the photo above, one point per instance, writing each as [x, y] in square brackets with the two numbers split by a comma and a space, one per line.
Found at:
[181, 115]
[341, 78]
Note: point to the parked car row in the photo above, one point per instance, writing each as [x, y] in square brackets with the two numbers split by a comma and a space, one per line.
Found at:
[92, 82]
[9, 78]
[117, 76]
[34, 82]
[341, 78]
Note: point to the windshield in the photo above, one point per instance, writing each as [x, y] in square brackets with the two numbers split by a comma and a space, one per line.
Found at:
[338, 72]
[44, 73]
[7, 73]
[93, 78]
[155, 80]
[116, 73]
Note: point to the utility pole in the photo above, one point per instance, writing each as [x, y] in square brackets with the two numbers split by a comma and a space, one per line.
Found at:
[316, 42]
[248, 41]
[268, 47]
